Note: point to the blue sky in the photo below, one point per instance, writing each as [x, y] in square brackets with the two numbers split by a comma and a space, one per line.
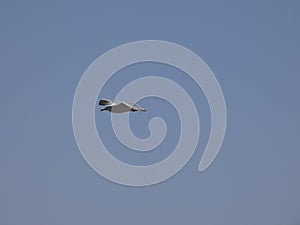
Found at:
[252, 47]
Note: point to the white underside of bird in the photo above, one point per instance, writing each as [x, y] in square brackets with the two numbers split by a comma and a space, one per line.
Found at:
[120, 106]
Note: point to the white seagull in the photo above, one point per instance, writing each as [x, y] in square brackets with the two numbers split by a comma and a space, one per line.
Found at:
[120, 107]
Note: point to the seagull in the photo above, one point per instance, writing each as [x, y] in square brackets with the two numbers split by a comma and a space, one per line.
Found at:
[120, 106]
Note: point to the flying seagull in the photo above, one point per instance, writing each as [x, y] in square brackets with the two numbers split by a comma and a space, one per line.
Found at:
[120, 107]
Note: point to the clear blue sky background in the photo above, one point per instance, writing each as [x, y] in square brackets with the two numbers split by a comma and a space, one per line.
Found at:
[252, 47]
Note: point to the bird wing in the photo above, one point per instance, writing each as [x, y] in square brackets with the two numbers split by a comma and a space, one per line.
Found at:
[120, 107]
[104, 101]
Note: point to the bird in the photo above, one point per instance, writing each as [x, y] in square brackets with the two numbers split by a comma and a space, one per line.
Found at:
[119, 106]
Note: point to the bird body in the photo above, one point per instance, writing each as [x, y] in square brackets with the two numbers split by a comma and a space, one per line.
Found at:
[120, 106]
